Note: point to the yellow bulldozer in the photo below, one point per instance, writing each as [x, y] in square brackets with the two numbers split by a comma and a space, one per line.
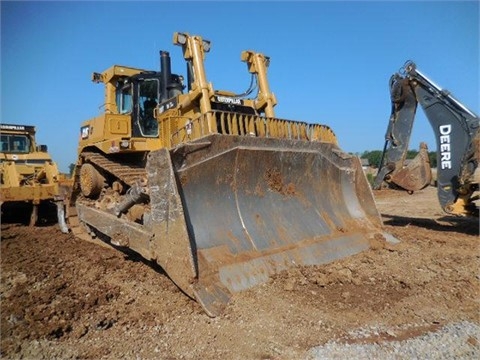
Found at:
[212, 186]
[28, 176]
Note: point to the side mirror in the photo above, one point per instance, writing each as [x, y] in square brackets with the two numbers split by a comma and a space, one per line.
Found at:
[42, 148]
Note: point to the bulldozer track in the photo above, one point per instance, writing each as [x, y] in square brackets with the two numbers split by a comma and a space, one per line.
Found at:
[127, 173]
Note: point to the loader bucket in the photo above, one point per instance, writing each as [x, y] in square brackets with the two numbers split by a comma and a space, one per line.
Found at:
[241, 209]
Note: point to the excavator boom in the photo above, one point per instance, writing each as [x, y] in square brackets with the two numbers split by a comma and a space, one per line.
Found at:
[456, 131]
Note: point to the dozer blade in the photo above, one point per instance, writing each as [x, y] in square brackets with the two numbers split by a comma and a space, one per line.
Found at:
[241, 209]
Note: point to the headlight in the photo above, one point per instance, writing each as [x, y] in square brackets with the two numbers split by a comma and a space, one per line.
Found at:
[206, 45]
[179, 38]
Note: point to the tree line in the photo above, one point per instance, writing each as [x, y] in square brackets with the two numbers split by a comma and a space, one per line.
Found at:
[375, 156]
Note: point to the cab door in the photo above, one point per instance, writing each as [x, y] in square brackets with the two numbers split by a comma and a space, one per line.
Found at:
[146, 100]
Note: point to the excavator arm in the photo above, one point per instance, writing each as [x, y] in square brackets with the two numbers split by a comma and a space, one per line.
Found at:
[457, 137]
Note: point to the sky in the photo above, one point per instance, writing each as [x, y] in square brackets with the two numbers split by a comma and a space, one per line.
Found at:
[330, 60]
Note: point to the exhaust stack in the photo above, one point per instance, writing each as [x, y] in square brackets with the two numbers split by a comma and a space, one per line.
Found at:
[165, 68]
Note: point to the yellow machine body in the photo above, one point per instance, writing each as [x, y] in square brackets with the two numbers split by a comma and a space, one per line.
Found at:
[28, 174]
[219, 192]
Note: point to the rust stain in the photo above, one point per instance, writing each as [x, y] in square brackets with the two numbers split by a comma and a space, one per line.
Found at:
[274, 180]
[289, 189]
[183, 180]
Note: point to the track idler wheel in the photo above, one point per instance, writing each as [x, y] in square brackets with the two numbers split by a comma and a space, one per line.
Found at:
[91, 181]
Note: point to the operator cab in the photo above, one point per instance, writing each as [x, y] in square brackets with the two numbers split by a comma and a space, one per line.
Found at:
[16, 139]
[140, 95]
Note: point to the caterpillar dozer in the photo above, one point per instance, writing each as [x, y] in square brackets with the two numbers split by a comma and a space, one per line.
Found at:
[457, 135]
[28, 176]
[210, 185]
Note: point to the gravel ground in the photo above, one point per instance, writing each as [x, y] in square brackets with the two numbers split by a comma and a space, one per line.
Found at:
[454, 341]
[65, 298]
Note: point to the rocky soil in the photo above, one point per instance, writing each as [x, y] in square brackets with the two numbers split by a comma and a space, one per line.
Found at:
[71, 299]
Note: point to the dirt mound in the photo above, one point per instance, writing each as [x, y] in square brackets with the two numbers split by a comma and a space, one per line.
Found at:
[66, 298]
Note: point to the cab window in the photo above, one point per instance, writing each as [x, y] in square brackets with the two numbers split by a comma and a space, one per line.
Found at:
[15, 143]
[124, 99]
[148, 101]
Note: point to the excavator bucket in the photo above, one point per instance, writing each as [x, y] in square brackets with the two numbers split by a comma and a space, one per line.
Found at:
[230, 211]
[417, 175]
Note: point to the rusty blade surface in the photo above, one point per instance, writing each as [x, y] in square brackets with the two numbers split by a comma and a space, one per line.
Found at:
[254, 208]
